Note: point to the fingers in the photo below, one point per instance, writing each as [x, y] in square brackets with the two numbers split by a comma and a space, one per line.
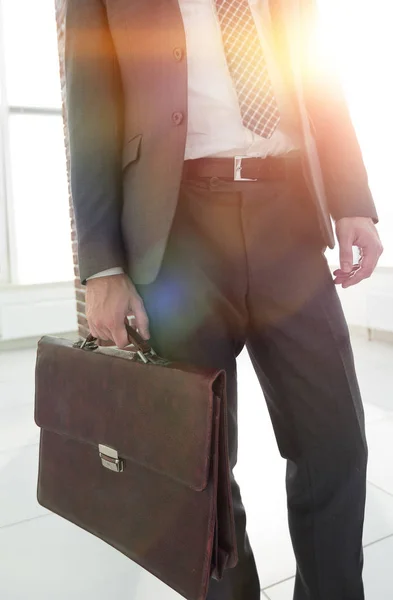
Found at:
[346, 254]
[362, 233]
[141, 318]
[98, 330]
[363, 270]
[119, 335]
[368, 262]
[115, 330]
[109, 300]
[341, 277]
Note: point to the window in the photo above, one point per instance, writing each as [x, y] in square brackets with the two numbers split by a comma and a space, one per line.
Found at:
[34, 212]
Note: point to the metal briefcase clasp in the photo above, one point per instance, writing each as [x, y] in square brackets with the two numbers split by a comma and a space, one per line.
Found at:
[110, 458]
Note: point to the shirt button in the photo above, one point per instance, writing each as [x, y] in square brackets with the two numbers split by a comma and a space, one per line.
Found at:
[178, 54]
[177, 117]
[214, 181]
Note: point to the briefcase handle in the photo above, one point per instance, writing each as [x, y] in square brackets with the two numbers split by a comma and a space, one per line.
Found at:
[142, 347]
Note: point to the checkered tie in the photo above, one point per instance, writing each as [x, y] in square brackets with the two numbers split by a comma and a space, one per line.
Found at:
[247, 67]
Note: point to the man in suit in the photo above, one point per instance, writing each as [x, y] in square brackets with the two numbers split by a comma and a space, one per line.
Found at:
[208, 155]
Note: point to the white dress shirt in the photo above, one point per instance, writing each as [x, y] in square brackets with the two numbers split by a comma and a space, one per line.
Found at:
[215, 125]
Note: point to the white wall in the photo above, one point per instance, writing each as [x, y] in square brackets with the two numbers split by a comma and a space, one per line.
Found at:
[35, 310]
[370, 303]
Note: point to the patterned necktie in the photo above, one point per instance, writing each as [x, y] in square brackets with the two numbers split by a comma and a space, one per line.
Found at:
[247, 67]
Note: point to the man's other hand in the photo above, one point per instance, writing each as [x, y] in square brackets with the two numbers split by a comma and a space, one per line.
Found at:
[360, 232]
[108, 301]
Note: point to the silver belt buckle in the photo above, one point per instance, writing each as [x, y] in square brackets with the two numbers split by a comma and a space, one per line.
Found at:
[237, 170]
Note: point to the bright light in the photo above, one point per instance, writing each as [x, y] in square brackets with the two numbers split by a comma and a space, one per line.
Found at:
[358, 36]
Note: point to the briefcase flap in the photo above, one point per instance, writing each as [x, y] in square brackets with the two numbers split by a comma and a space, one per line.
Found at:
[157, 416]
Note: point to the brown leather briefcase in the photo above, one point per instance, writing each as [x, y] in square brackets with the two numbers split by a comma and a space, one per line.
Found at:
[134, 450]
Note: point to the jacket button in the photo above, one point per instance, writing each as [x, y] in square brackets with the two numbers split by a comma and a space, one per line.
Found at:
[178, 54]
[177, 117]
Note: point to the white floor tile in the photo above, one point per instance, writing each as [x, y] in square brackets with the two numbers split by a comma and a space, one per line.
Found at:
[378, 580]
[47, 559]
[150, 587]
[268, 529]
[270, 538]
[374, 369]
[265, 503]
[375, 413]
[15, 364]
[13, 393]
[260, 473]
[17, 427]
[282, 591]
[18, 484]
[380, 443]
[372, 355]
[16, 378]
[376, 386]
[378, 522]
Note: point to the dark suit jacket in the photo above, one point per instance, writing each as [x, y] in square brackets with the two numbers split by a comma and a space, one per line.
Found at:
[126, 85]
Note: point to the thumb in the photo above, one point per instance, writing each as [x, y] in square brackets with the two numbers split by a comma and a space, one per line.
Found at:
[346, 255]
[141, 319]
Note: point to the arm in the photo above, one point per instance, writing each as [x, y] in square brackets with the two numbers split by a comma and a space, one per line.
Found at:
[95, 128]
[350, 201]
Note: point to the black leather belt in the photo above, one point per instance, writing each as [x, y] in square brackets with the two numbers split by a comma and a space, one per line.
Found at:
[243, 169]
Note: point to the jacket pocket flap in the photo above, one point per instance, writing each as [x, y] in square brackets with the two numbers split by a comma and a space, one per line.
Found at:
[131, 150]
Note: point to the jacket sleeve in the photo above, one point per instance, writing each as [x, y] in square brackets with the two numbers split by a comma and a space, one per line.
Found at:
[95, 129]
[341, 158]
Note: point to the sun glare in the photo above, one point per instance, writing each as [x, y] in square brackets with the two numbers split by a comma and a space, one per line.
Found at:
[356, 36]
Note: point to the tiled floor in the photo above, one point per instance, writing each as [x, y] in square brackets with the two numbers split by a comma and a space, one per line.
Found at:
[44, 557]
